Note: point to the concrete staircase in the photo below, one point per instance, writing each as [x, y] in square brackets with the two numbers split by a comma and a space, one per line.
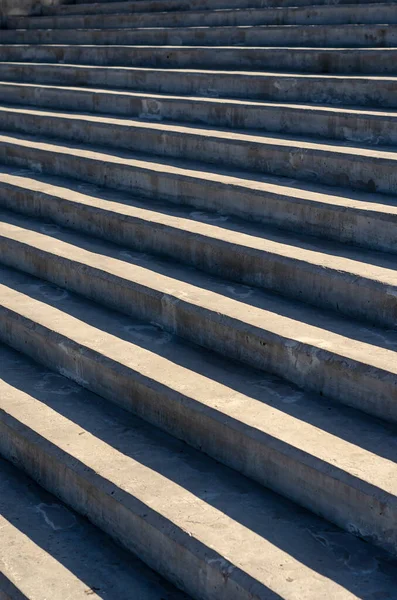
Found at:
[198, 242]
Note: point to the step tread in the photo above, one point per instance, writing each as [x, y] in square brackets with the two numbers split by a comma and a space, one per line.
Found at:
[202, 171]
[373, 268]
[321, 108]
[185, 47]
[165, 278]
[130, 206]
[287, 26]
[192, 498]
[250, 308]
[282, 141]
[248, 74]
[47, 546]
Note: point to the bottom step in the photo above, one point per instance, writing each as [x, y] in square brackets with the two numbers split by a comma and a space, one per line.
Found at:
[49, 552]
[206, 528]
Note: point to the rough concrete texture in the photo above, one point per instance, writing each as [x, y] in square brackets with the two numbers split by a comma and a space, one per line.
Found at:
[49, 551]
[198, 211]
[16, 8]
[205, 527]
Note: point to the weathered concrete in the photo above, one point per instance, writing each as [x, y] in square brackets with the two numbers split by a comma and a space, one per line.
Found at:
[372, 127]
[364, 168]
[46, 548]
[373, 91]
[309, 60]
[15, 8]
[178, 158]
[360, 36]
[204, 527]
[331, 14]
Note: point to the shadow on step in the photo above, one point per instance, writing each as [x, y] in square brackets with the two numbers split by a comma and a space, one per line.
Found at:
[347, 424]
[83, 558]
[8, 591]
[356, 566]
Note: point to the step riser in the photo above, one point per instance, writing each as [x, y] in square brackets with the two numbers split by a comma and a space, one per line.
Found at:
[343, 36]
[180, 5]
[362, 299]
[90, 495]
[362, 227]
[292, 120]
[287, 88]
[325, 372]
[300, 60]
[365, 229]
[331, 168]
[275, 466]
[344, 14]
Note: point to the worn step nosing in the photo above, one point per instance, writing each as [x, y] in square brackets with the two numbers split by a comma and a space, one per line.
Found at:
[167, 6]
[370, 35]
[201, 426]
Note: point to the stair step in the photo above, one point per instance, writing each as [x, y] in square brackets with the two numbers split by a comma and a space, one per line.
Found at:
[261, 199]
[384, 12]
[335, 164]
[372, 91]
[343, 123]
[246, 419]
[348, 361]
[310, 60]
[153, 6]
[122, 218]
[356, 283]
[47, 546]
[371, 35]
[198, 210]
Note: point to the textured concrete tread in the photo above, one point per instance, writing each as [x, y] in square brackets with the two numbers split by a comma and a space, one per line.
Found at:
[38, 89]
[206, 132]
[354, 281]
[264, 75]
[105, 463]
[47, 546]
[89, 208]
[251, 325]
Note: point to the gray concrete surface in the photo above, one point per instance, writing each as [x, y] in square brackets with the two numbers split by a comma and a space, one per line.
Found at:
[360, 36]
[49, 551]
[171, 163]
[377, 12]
[237, 416]
[370, 91]
[200, 524]
[15, 8]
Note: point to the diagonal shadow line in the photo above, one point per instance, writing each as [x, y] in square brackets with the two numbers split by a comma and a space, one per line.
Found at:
[132, 434]
[266, 300]
[235, 224]
[120, 496]
[213, 366]
[84, 550]
[9, 591]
